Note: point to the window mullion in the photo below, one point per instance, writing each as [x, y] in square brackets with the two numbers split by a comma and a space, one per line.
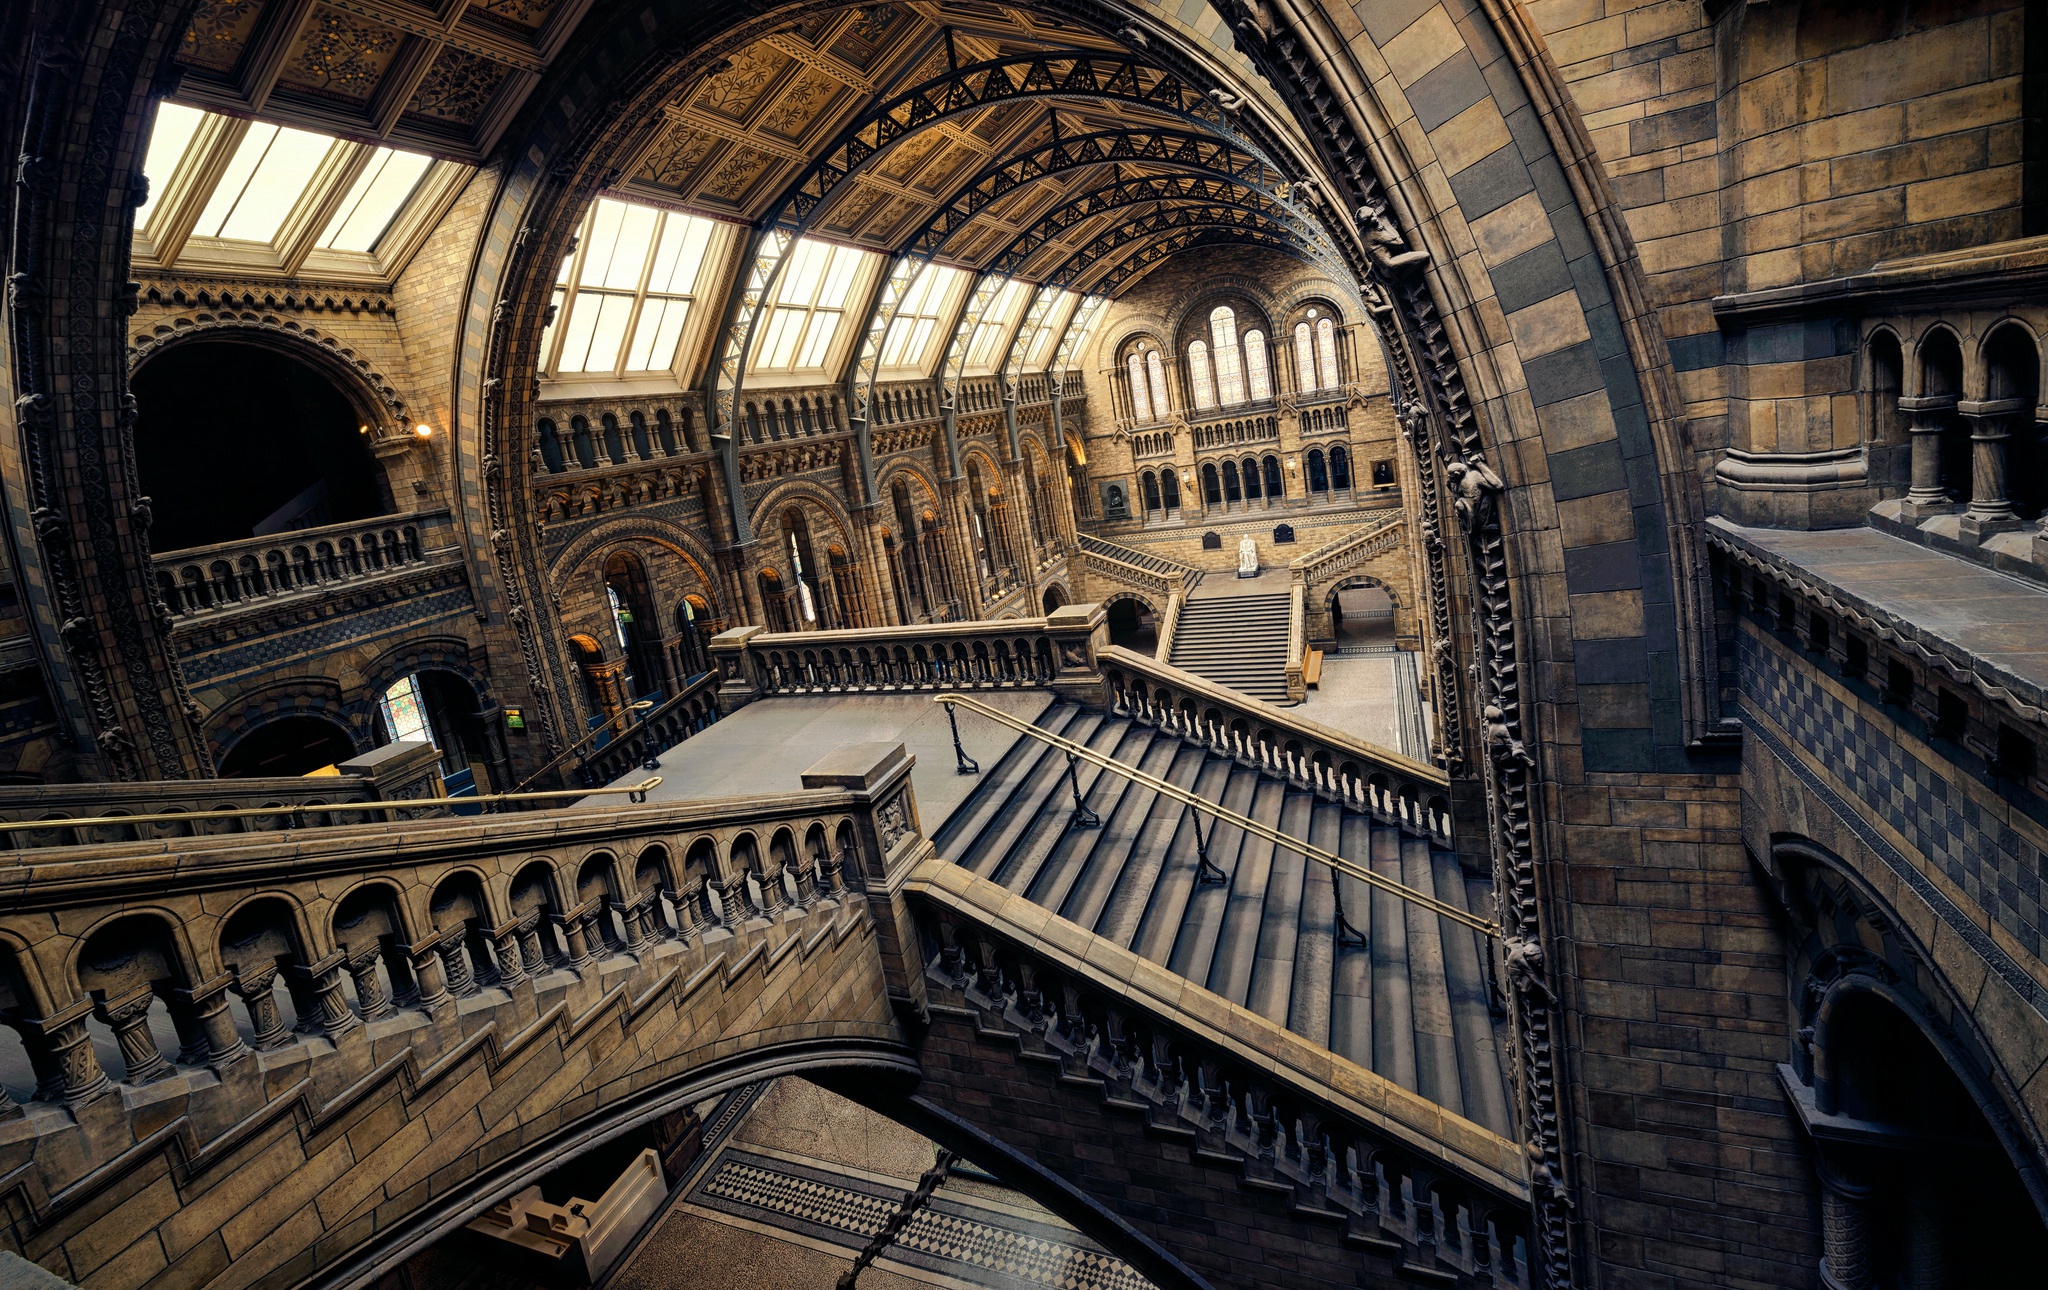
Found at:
[568, 287]
[191, 191]
[315, 208]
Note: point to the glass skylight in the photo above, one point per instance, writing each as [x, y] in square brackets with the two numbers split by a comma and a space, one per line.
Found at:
[623, 300]
[1039, 348]
[264, 180]
[378, 194]
[1086, 315]
[809, 313]
[917, 319]
[279, 200]
[996, 322]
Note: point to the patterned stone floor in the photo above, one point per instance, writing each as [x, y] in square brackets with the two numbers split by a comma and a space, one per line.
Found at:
[796, 1188]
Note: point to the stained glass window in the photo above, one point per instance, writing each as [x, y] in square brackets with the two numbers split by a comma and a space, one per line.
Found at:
[1326, 354]
[1141, 404]
[1229, 364]
[1199, 376]
[405, 712]
[1304, 357]
[1155, 375]
[1257, 371]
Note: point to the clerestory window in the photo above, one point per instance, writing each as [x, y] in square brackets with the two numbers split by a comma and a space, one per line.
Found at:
[258, 198]
[914, 334]
[625, 299]
[802, 330]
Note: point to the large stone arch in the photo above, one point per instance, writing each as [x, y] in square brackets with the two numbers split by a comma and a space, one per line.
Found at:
[373, 394]
[690, 546]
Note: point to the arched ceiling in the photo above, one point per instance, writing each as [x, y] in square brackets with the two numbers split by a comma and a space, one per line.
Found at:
[937, 127]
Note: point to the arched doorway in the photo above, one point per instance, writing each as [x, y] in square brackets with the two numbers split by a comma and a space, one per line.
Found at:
[630, 604]
[1361, 616]
[1133, 626]
[234, 440]
[438, 707]
[1054, 597]
[288, 746]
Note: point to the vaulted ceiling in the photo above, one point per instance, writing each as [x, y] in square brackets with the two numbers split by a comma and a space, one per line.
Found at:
[986, 136]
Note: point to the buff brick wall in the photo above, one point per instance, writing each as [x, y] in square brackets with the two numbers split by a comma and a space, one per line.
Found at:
[1786, 143]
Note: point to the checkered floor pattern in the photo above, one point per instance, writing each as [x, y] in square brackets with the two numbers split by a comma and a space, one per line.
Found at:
[945, 1236]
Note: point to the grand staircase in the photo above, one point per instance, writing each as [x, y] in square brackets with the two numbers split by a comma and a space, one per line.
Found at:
[1238, 641]
[1384, 983]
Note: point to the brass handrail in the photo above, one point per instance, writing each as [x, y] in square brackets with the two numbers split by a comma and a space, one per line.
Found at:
[637, 791]
[1330, 859]
[637, 705]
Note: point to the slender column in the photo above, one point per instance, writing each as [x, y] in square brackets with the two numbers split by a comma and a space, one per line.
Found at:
[477, 939]
[405, 988]
[60, 1049]
[455, 963]
[320, 985]
[715, 912]
[1991, 511]
[572, 927]
[511, 971]
[530, 942]
[370, 994]
[207, 1005]
[428, 973]
[1845, 1223]
[193, 1049]
[771, 894]
[257, 991]
[128, 1014]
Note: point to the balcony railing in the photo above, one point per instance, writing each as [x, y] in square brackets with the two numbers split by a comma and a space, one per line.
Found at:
[1014, 653]
[232, 575]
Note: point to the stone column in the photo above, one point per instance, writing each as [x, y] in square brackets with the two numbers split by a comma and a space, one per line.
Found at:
[511, 970]
[319, 984]
[530, 943]
[128, 1014]
[715, 913]
[207, 1004]
[432, 980]
[370, 994]
[1845, 1222]
[572, 929]
[257, 991]
[1991, 510]
[60, 1048]
[455, 963]
[405, 987]
[1926, 1243]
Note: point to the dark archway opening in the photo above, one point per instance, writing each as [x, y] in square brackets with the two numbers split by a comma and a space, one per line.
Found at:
[288, 746]
[1132, 626]
[631, 604]
[234, 440]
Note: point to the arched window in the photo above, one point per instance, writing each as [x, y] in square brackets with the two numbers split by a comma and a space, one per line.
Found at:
[1151, 485]
[1251, 479]
[1141, 402]
[1229, 362]
[1155, 373]
[1198, 375]
[1318, 476]
[1304, 357]
[1170, 486]
[1340, 468]
[1326, 354]
[1258, 371]
[1211, 492]
[1276, 486]
[1232, 492]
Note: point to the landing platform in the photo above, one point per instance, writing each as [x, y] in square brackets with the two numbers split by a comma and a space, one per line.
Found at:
[766, 746]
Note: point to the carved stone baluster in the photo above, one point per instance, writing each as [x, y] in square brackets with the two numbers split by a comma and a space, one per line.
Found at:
[207, 1005]
[60, 1048]
[476, 939]
[128, 1014]
[571, 926]
[455, 963]
[530, 943]
[256, 988]
[326, 1011]
[193, 1050]
[405, 987]
[428, 972]
[511, 969]
[370, 993]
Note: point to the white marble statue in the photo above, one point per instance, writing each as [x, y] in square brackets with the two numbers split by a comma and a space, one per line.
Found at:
[1247, 557]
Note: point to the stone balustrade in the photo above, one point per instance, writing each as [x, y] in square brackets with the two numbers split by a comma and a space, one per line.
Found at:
[1139, 570]
[1377, 535]
[1383, 1171]
[462, 1001]
[1410, 795]
[690, 711]
[1056, 652]
[234, 575]
[406, 775]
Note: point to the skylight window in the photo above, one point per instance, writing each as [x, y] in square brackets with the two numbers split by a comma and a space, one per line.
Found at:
[1039, 348]
[1086, 315]
[918, 317]
[996, 322]
[625, 298]
[264, 180]
[378, 194]
[175, 126]
[255, 197]
[809, 314]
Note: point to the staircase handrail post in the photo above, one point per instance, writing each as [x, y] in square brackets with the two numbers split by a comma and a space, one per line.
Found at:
[737, 667]
[889, 843]
[1168, 622]
[1079, 633]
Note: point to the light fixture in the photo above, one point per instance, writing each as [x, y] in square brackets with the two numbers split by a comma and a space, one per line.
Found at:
[1290, 463]
[423, 430]
[362, 429]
